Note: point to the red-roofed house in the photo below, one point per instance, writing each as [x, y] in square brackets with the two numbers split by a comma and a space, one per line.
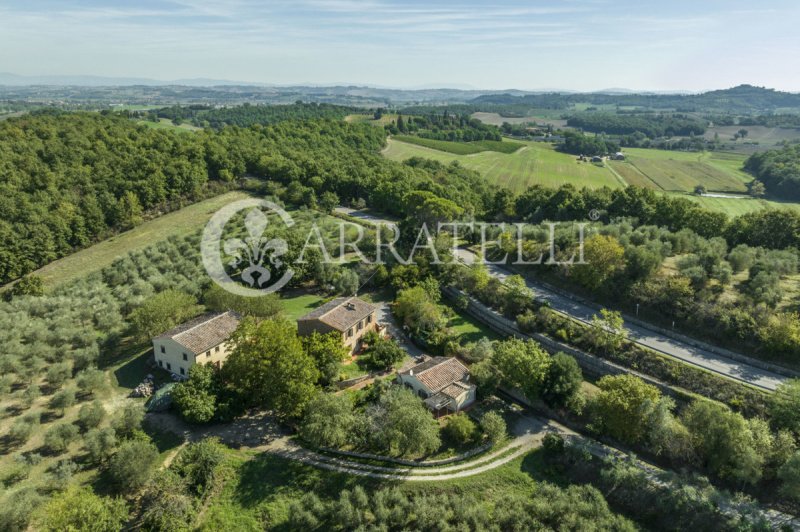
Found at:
[443, 382]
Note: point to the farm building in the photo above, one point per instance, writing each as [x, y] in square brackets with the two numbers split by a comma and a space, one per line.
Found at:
[349, 316]
[203, 340]
[619, 156]
[443, 382]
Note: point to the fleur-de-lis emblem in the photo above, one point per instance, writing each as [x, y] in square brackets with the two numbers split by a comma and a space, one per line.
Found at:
[255, 250]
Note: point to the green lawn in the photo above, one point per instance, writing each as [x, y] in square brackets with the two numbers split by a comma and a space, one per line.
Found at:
[179, 223]
[467, 329]
[534, 163]
[296, 305]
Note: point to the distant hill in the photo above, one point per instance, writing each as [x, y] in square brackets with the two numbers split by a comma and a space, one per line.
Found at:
[741, 99]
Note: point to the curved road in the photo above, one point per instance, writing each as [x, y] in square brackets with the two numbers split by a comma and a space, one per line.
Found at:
[690, 354]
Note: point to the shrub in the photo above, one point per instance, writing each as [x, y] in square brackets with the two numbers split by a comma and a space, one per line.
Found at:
[494, 426]
[58, 374]
[58, 437]
[90, 415]
[17, 509]
[329, 421]
[91, 380]
[132, 465]
[63, 399]
[167, 504]
[129, 420]
[21, 430]
[100, 444]
[198, 463]
[79, 508]
[460, 429]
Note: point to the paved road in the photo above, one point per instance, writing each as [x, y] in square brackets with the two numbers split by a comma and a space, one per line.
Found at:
[690, 354]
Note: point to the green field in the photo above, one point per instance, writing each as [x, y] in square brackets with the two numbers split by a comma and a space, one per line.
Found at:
[675, 171]
[462, 148]
[534, 163]
[165, 123]
[737, 206]
[540, 116]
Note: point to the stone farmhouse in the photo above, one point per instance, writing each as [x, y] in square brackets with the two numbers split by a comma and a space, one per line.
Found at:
[349, 316]
[203, 340]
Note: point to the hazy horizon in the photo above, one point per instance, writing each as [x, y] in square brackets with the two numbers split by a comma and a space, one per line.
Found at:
[571, 45]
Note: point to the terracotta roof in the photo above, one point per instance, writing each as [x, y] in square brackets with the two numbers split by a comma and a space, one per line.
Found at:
[204, 332]
[438, 373]
[455, 390]
[341, 313]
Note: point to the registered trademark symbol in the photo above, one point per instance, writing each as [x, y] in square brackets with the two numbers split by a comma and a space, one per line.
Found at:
[594, 215]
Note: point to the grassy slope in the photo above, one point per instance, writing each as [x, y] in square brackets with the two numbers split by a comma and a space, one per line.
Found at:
[261, 487]
[536, 163]
[675, 171]
[462, 148]
[100, 255]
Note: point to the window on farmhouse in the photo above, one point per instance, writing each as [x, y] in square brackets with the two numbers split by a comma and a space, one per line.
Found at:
[185, 356]
[163, 350]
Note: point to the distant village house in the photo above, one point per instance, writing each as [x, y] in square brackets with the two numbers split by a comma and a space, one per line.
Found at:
[443, 383]
[349, 316]
[203, 340]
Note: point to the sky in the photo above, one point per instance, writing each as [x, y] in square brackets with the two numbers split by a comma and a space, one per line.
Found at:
[578, 45]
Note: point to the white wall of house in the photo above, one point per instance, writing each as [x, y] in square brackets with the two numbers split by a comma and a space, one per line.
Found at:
[177, 359]
[465, 399]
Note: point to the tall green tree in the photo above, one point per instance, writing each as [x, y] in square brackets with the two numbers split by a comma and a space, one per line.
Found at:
[329, 421]
[622, 407]
[522, 364]
[161, 312]
[269, 367]
[724, 440]
[401, 424]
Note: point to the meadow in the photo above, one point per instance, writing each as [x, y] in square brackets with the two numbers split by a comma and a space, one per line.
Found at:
[737, 206]
[166, 123]
[534, 163]
[765, 137]
[676, 171]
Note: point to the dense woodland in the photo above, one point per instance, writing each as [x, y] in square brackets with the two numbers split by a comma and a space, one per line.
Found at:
[247, 115]
[444, 126]
[779, 170]
[71, 178]
[651, 125]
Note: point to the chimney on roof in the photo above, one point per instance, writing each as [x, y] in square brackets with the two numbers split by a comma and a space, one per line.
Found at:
[350, 306]
[411, 372]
